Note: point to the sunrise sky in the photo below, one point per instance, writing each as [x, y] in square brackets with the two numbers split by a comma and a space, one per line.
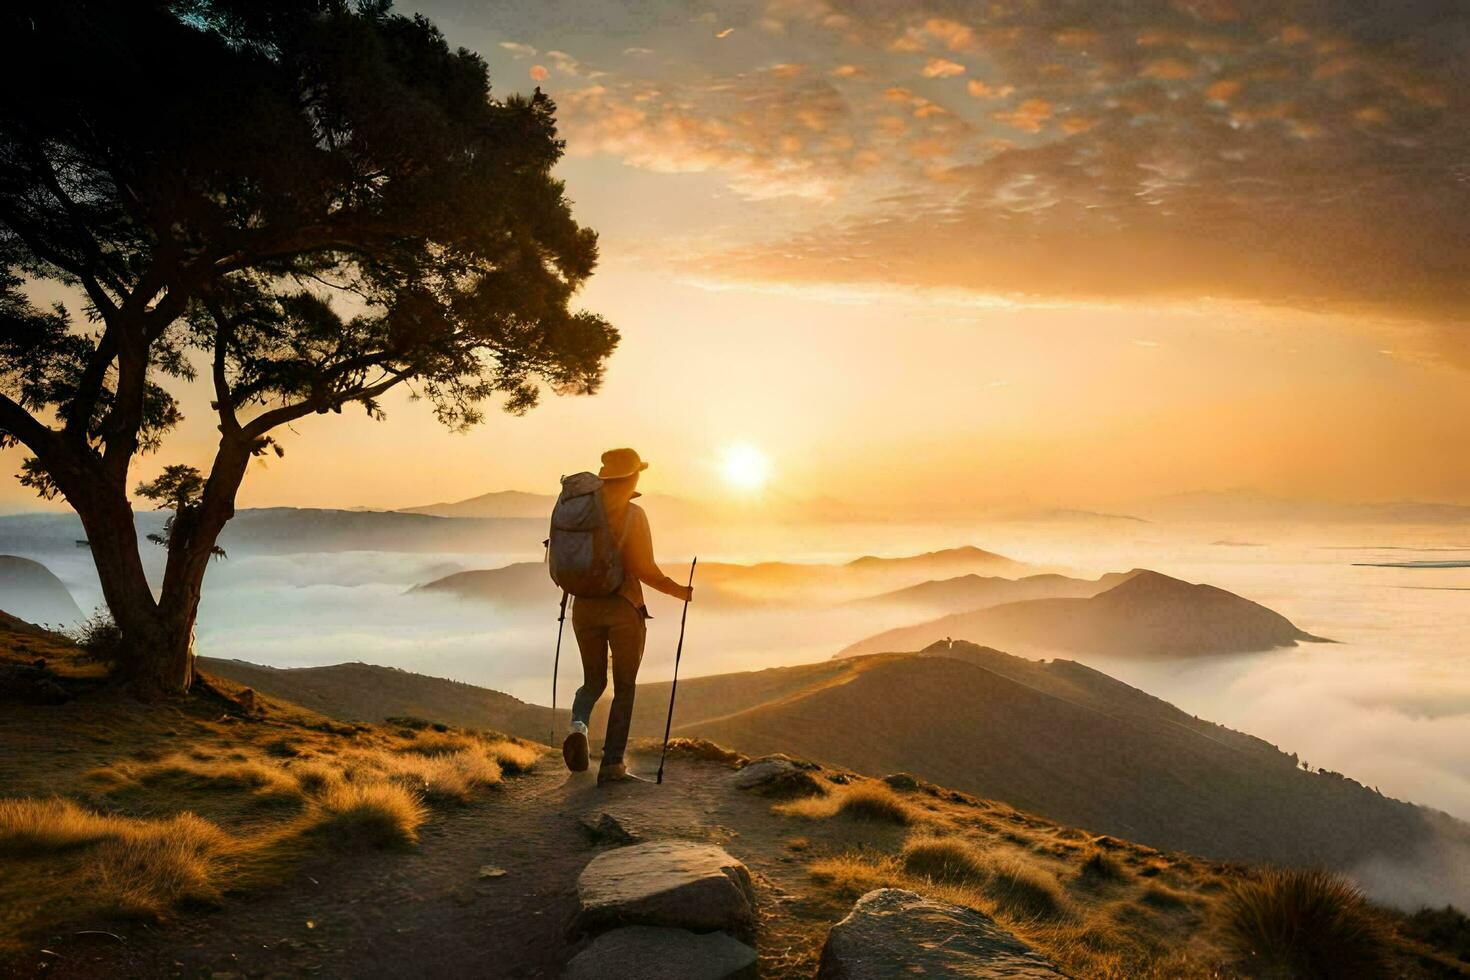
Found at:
[979, 255]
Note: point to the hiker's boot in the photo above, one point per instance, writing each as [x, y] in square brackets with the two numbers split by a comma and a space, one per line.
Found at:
[616, 772]
[574, 751]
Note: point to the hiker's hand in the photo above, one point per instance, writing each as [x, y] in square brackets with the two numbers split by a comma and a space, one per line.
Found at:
[688, 593]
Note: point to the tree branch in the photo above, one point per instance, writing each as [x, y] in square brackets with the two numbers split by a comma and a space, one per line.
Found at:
[224, 332]
[89, 386]
[262, 424]
[65, 263]
[21, 424]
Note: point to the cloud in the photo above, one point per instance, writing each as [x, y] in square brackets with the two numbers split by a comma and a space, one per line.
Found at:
[774, 132]
[942, 68]
[1028, 117]
[518, 49]
[1299, 154]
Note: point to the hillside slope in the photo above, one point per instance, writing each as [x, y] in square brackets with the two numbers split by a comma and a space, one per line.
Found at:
[1058, 738]
[29, 590]
[1077, 746]
[1146, 615]
[369, 693]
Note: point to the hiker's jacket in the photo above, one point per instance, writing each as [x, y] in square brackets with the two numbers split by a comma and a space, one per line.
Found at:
[639, 568]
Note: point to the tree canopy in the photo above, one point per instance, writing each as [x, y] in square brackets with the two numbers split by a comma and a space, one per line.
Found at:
[305, 202]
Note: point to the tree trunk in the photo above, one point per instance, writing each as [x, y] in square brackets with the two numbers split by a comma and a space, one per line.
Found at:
[157, 633]
[155, 656]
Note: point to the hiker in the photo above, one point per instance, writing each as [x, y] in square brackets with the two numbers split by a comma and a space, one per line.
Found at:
[614, 624]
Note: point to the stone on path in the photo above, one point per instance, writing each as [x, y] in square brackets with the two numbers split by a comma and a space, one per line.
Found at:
[681, 884]
[656, 953]
[776, 775]
[602, 827]
[891, 932]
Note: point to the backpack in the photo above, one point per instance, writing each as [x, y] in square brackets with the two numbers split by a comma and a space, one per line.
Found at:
[583, 557]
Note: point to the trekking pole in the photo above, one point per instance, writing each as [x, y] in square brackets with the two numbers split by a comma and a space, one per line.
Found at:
[556, 663]
[678, 653]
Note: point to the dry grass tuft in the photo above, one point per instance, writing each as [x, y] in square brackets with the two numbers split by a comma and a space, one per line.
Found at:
[514, 757]
[946, 859]
[185, 772]
[873, 802]
[1100, 866]
[136, 868]
[699, 748]
[155, 866]
[1161, 896]
[370, 815]
[1305, 923]
[439, 743]
[31, 827]
[1024, 891]
[315, 776]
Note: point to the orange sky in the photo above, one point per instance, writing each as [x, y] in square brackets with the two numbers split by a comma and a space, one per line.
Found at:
[971, 257]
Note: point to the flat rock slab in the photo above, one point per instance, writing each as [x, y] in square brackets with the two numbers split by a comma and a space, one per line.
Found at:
[682, 884]
[654, 953]
[892, 933]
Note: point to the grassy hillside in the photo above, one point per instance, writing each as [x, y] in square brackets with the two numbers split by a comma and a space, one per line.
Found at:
[1070, 743]
[368, 693]
[228, 833]
[1057, 738]
[1146, 615]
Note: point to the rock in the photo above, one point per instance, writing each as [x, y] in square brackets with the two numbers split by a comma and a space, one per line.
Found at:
[681, 884]
[891, 932]
[902, 781]
[776, 775]
[30, 685]
[491, 871]
[604, 828]
[652, 953]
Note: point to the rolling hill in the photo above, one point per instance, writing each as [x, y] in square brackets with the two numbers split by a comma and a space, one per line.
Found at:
[1057, 738]
[368, 693]
[30, 591]
[965, 593]
[1072, 744]
[766, 583]
[1146, 615]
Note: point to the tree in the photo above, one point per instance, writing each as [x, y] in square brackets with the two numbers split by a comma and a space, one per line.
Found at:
[306, 202]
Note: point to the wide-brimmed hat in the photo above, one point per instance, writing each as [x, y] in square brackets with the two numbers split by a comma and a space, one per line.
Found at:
[619, 463]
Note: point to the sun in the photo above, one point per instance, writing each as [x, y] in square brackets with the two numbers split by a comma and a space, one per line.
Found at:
[745, 467]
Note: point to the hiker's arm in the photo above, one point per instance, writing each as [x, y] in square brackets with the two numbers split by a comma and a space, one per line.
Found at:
[638, 553]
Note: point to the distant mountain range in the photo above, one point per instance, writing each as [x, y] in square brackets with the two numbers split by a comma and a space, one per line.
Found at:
[1247, 506]
[290, 530]
[517, 504]
[30, 591]
[772, 583]
[1057, 738]
[1146, 615]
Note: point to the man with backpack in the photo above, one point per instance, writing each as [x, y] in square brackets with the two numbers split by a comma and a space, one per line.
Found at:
[601, 552]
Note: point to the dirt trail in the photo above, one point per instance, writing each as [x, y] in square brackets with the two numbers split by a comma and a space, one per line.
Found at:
[428, 912]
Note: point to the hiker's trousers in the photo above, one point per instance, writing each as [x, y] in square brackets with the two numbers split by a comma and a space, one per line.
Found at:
[603, 625]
